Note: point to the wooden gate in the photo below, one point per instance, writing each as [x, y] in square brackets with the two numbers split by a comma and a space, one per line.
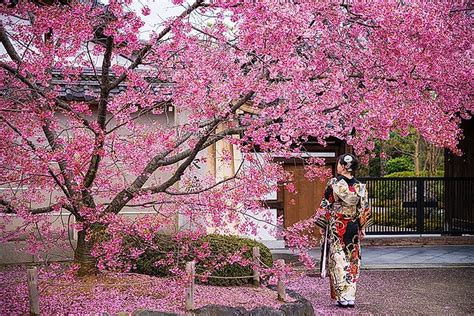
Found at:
[305, 201]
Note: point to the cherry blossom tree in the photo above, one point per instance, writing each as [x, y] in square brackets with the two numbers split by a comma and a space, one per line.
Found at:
[265, 74]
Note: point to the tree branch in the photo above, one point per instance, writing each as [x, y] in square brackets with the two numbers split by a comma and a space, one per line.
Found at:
[101, 116]
[201, 190]
[8, 45]
[142, 112]
[145, 50]
[10, 209]
[122, 198]
[67, 176]
[33, 147]
[60, 103]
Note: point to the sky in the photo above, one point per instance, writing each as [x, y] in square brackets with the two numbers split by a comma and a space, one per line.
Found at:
[160, 11]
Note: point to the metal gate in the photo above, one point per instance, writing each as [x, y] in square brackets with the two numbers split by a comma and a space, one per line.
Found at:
[421, 205]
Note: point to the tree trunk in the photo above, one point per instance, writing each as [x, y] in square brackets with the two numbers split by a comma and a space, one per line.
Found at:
[416, 155]
[83, 256]
[382, 161]
[434, 154]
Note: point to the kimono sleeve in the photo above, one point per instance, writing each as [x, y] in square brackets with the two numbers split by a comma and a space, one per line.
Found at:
[325, 206]
[365, 217]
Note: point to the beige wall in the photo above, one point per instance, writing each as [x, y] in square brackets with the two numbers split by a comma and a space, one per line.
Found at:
[10, 251]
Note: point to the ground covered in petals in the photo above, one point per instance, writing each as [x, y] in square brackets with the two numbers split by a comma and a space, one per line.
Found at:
[61, 293]
[397, 292]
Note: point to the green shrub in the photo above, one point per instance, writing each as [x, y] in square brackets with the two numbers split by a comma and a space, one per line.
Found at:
[396, 217]
[407, 174]
[384, 190]
[374, 167]
[219, 245]
[162, 245]
[386, 203]
[433, 225]
[399, 164]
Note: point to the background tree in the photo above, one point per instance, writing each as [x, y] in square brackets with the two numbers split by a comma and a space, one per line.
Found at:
[320, 69]
[406, 153]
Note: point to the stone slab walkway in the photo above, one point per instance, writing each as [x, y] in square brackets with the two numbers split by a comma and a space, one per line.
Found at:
[404, 257]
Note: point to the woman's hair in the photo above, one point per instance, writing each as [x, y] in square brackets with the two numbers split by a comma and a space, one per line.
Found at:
[349, 161]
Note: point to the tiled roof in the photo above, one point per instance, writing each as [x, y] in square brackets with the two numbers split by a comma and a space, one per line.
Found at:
[88, 88]
[84, 89]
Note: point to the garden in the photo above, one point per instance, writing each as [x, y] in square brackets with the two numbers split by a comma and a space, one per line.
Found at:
[147, 140]
[157, 280]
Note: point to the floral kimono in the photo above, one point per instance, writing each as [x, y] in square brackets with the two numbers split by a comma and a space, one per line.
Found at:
[346, 214]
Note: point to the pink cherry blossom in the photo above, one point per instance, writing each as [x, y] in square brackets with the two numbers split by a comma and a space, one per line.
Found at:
[261, 76]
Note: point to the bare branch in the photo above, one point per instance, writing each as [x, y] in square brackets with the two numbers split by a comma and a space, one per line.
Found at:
[8, 45]
[60, 103]
[143, 112]
[101, 117]
[206, 140]
[33, 147]
[67, 175]
[204, 189]
[41, 210]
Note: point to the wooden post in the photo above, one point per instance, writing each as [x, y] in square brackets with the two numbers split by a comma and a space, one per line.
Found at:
[33, 290]
[256, 262]
[190, 272]
[281, 282]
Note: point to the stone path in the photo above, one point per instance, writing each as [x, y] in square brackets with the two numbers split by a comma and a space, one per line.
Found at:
[406, 257]
[417, 257]
[428, 280]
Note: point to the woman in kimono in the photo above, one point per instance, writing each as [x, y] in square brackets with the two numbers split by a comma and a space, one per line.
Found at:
[346, 215]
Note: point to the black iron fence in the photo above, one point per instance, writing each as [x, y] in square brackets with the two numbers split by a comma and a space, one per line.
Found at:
[421, 205]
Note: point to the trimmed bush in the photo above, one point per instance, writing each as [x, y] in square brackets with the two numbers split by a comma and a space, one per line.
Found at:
[384, 190]
[399, 164]
[407, 174]
[219, 246]
[396, 217]
[386, 203]
[161, 246]
[393, 190]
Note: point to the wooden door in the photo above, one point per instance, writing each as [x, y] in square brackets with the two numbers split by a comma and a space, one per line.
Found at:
[306, 201]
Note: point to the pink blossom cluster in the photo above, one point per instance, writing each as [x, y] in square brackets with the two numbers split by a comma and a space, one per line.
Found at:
[301, 238]
[264, 77]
